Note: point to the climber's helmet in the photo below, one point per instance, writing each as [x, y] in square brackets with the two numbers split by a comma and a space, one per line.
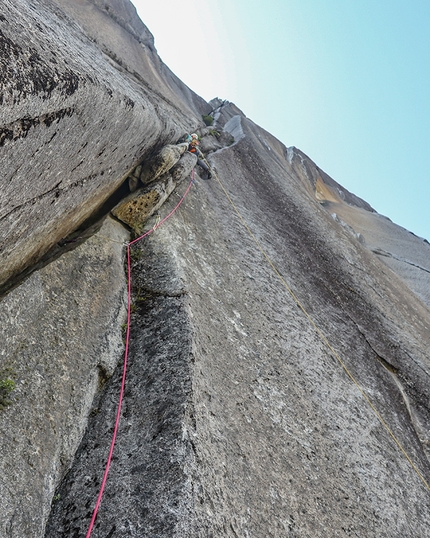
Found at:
[194, 136]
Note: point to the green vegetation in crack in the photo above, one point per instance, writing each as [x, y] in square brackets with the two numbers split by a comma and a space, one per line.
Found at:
[208, 120]
[135, 254]
[7, 386]
[214, 133]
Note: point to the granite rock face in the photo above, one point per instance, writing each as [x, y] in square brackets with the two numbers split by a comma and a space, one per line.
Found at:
[126, 42]
[246, 409]
[153, 455]
[406, 254]
[251, 425]
[60, 340]
[323, 186]
[136, 208]
[73, 123]
[165, 159]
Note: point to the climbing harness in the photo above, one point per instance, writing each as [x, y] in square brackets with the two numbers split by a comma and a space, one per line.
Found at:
[127, 341]
[318, 330]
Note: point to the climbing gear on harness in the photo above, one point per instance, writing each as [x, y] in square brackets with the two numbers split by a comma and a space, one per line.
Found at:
[193, 146]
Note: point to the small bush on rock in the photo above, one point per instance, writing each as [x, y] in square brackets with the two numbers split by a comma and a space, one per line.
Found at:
[7, 385]
[208, 120]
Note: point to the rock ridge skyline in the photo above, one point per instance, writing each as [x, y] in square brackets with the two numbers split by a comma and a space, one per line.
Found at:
[238, 420]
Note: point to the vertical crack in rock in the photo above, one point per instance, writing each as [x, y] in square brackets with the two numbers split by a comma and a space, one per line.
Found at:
[60, 336]
[237, 419]
[148, 492]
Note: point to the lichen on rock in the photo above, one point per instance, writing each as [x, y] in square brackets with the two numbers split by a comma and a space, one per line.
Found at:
[238, 419]
[136, 208]
[163, 161]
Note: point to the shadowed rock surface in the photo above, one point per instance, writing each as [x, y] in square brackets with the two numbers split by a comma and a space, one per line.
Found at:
[60, 340]
[261, 431]
[238, 418]
[80, 119]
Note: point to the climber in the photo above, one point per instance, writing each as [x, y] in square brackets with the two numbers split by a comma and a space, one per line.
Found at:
[193, 142]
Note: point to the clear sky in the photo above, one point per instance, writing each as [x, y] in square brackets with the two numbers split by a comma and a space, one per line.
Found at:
[347, 82]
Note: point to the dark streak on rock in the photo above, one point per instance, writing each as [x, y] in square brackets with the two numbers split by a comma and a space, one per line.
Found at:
[149, 464]
[25, 73]
[20, 128]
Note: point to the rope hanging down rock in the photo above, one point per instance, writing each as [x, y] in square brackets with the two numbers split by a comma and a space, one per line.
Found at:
[127, 341]
[320, 333]
[297, 301]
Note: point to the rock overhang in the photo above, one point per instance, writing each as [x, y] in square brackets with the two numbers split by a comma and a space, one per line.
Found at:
[81, 123]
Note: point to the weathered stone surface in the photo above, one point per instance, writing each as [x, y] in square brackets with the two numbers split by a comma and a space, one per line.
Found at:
[406, 254]
[136, 208]
[122, 12]
[324, 187]
[183, 167]
[72, 126]
[115, 26]
[255, 428]
[214, 140]
[223, 111]
[60, 338]
[140, 205]
[153, 449]
[238, 419]
[163, 161]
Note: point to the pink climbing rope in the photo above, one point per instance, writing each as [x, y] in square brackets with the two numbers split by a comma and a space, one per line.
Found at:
[127, 340]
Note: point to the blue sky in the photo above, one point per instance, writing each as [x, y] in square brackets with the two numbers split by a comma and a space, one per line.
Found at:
[346, 82]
